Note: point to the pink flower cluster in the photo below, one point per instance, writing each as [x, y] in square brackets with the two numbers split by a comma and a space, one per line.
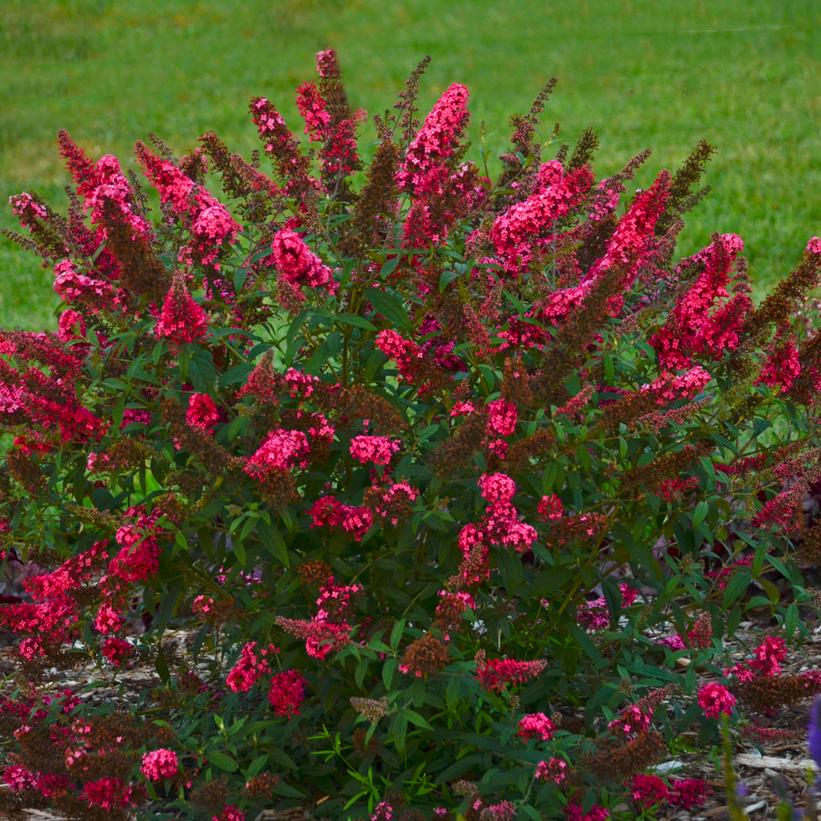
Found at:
[497, 487]
[715, 699]
[251, 666]
[437, 139]
[517, 229]
[108, 619]
[109, 793]
[209, 221]
[159, 764]
[632, 242]
[281, 144]
[230, 813]
[138, 557]
[783, 364]
[314, 111]
[49, 785]
[595, 614]
[100, 184]
[406, 353]
[116, 650]
[501, 524]
[334, 600]
[327, 631]
[636, 718]
[683, 793]
[337, 130]
[766, 661]
[536, 725]
[378, 450]
[707, 319]
[182, 320]
[550, 508]
[298, 265]
[202, 412]
[76, 288]
[553, 770]
[648, 790]
[51, 616]
[494, 674]
[287, 692]
[328, 511]
[281, 450]
[393, 501]
[502, 417]
[40, 391]
[321, 637]
[673, 387]
[574, 812]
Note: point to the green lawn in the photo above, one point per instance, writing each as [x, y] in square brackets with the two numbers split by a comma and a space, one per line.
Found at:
[742, 73]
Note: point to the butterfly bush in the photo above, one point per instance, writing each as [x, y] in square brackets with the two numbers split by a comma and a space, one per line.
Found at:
[353, 481]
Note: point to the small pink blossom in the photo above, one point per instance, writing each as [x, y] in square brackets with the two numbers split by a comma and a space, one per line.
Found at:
[159, 764]
[298, 265]
[287, 692]
[378, 450]
[182, 320]
[502, 417]
[497, 487]
[550, 508]
[715, 699]
[554, 770]
[648, 790]
[202, 412]
[536, 725]
[281, 450]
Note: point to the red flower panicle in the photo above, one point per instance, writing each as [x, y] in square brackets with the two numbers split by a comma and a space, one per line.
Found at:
[159, 764]
[494, 674]
[298, 265]
[182, 320]
[202, 412]
[287, 692]
[715, 699]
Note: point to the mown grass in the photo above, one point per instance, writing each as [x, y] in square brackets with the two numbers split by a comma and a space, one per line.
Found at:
[741, 73]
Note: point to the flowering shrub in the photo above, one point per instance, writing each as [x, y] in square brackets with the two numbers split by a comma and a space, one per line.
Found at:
[393, 491]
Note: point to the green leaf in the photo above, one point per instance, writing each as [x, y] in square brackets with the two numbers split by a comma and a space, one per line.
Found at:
[389, 267]
[286, 790]
[463, 765]
[398, 731]
[274, 543]
[791, 620]
[445, 278]
[396, 633]
[239, 552]
[161, 666]
[240, 275]
[257, 765]
[221, 760]
[415, 719]
[736, 586]
[700, 513]
[166, 609]
[360, 672]
[356, 321]
[390, 306]
[388, 672]
[236, 375]
[201, 370]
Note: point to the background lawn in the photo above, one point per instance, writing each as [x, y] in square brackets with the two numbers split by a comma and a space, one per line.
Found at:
[742, 73]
